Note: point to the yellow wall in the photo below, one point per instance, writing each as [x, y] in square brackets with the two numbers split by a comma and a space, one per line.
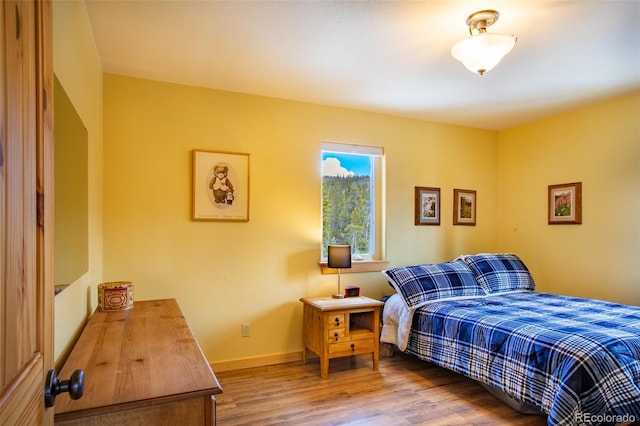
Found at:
[600, 147]
[224, 274]
[77, 66]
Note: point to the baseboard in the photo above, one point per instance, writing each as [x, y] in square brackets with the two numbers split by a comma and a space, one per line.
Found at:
[259, 361]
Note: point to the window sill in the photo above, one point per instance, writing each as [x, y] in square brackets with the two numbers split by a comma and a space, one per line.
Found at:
[357, 266]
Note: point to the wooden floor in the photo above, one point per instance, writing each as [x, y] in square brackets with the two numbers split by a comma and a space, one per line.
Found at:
[404, 391]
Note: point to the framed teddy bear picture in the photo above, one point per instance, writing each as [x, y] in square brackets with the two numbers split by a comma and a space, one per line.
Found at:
[220, 186]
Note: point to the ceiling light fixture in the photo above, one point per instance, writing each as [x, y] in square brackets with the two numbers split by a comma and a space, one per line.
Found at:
[482, 51]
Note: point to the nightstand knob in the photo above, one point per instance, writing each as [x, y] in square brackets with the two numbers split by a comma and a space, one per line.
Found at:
[353, 347]
[337, 321]
[336, 336]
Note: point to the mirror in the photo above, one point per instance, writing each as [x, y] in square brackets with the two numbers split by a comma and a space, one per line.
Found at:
[71, 247]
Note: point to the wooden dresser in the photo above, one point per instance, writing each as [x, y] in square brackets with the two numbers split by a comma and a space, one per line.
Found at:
[142, 366]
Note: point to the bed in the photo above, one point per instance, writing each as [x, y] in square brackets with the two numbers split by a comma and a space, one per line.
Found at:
[576, 360]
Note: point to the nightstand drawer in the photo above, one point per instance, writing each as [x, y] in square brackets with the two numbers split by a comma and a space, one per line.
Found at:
[355, 347]
[335, 320]
[334, 334]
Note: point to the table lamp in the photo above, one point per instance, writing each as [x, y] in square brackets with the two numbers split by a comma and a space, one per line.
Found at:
[339, 256]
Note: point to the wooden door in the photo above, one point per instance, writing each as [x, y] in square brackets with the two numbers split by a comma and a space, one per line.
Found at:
[26, 209]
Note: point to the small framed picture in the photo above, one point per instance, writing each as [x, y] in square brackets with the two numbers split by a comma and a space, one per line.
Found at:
[220, 186]
[427, 206]
[464, 207]
[565, 204]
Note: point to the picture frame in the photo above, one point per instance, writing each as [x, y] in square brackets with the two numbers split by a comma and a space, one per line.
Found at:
[220, 186]
[464, 207]
[427, 205]
[565, 204]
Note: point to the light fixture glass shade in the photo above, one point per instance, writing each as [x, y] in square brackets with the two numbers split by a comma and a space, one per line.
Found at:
[482, 52]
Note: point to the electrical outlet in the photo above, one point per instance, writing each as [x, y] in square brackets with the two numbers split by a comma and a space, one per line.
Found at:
[246, 329]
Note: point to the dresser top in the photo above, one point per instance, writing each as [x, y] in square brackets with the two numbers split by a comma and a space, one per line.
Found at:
[133, 357]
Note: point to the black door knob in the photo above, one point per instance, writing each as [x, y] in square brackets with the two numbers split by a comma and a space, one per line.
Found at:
[54, 386]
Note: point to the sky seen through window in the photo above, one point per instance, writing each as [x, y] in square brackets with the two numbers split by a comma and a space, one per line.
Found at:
[334, 164]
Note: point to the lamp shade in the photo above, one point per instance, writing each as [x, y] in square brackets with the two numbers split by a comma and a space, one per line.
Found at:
[339, 256]
[482, 52]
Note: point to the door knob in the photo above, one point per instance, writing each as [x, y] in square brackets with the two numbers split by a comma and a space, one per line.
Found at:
[54, 386]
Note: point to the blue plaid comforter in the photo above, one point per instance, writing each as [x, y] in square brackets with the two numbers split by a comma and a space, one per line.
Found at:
[576, 359]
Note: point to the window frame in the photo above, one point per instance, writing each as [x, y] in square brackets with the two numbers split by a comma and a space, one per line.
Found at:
[375, 258]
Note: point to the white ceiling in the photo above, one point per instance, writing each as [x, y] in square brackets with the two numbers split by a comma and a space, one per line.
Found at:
[385, 56]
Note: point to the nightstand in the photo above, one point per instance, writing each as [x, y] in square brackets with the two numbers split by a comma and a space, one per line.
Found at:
[334, 328]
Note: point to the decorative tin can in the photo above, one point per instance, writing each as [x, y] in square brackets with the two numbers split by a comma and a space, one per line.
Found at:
[115, 296]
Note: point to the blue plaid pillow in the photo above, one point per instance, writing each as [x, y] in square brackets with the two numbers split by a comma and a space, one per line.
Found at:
[500, 272]
[421, 284]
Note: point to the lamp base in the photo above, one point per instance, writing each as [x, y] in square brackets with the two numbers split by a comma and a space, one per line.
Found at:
[338, 296]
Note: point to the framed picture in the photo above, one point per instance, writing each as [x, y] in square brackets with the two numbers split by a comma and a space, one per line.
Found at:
[565, 203]
[220, 186]
[464, 207]
[427, 206]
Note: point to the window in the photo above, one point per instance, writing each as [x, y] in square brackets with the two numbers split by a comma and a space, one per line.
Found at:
[352, 191]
